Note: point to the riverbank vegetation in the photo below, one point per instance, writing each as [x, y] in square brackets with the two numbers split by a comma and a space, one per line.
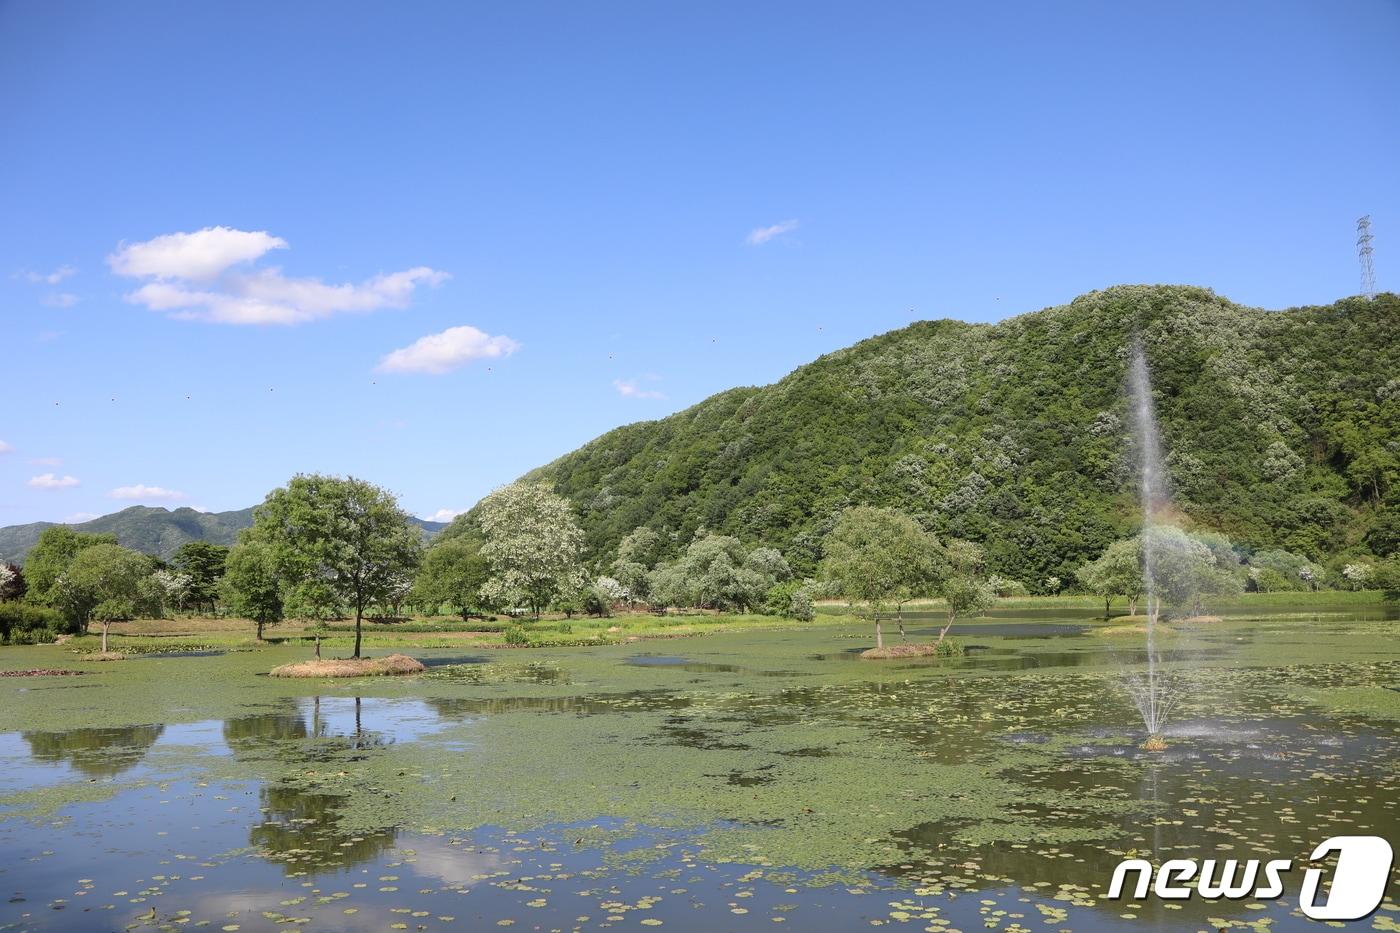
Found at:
[326, 554]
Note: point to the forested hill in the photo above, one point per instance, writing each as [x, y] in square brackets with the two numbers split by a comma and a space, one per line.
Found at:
[150, 530]
[1281, 429]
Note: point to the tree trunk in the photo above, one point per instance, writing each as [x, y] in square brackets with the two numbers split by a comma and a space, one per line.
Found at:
[105, 626]
[359, 615]
[879, 633]
[899, 618]
[1107, 600]
[260, 630]
[944, 631]
[1132, 605]
[318, 646]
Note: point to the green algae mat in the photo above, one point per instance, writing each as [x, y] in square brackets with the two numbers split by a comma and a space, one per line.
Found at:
[734, 781]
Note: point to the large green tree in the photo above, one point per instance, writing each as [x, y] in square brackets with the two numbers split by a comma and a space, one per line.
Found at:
[718, 572]
[203, 562]
[534, 545]
[1115, 572]
[345, 533]
[101, 582]
[50, 556]
[453, 572]
[880, 557]
[250, 584]
[963, 584]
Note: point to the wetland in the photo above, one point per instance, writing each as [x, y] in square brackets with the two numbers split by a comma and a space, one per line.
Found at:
[731, 781]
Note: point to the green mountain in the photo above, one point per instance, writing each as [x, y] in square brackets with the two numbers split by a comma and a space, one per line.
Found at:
[1282, 428]
[155, 531]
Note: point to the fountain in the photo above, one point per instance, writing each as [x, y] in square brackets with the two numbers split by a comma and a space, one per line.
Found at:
[1152, 692]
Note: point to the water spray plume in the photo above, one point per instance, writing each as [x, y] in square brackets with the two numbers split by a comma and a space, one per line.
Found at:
[1150, 691]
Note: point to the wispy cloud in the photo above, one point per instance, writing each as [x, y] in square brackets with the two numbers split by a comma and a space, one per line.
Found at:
[6, 448]
[444, 352]
[146, 493]
[50, 278]
[61, 300]
[760, 235]
[78, 518]
[442, 515]
[49, 481]
[207, 276]
[46, 461]
[632, 388]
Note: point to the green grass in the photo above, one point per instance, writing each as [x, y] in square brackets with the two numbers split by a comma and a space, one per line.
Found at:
[148, 636]
[1302, 600]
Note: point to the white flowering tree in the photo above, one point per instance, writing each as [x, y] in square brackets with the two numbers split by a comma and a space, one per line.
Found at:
[1358, 575]
[612, 590]
[533, 544]
[169, 589]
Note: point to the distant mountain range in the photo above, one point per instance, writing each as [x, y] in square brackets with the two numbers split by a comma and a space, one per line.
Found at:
[156, 531]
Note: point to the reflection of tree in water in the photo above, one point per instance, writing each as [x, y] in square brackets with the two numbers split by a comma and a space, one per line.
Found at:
[95, 752]
[292, 733]
[301, 826]
[301, 829]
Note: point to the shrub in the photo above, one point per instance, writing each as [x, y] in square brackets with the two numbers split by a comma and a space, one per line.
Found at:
[948, 648]
[1007, 587]
[515, 635]
[26, 624]
[791, 599]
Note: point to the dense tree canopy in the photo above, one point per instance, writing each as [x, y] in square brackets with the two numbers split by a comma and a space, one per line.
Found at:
[250, 585]
[453, 573]
[533, 544]
[203, 563]
[881, 557]
[1282, 430]
[344, 534]
[101, 582]
[55, 550]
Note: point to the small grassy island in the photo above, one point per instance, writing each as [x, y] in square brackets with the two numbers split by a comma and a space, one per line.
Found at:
[350, 667]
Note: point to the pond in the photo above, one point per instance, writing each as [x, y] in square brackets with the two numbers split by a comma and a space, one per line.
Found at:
[732, 781]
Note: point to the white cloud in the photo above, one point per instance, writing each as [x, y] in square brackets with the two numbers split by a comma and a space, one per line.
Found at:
[47, 461]
[191, 276]
[200, 256]
[440, 353]
[6, 448]
[760, 235]
[78, 518]
[140, 491]
[61, 300]
[49, 481]
[51, 278]
[442, 515]
[631, 388]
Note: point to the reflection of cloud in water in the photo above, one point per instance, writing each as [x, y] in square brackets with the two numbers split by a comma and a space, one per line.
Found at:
[249, 906]
[458, 866]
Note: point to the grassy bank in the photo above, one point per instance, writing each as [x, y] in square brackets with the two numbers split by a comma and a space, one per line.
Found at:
[192, 634]
[200, 633]
[1324, 599]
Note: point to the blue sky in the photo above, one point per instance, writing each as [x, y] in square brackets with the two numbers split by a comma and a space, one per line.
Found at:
[634, 205]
